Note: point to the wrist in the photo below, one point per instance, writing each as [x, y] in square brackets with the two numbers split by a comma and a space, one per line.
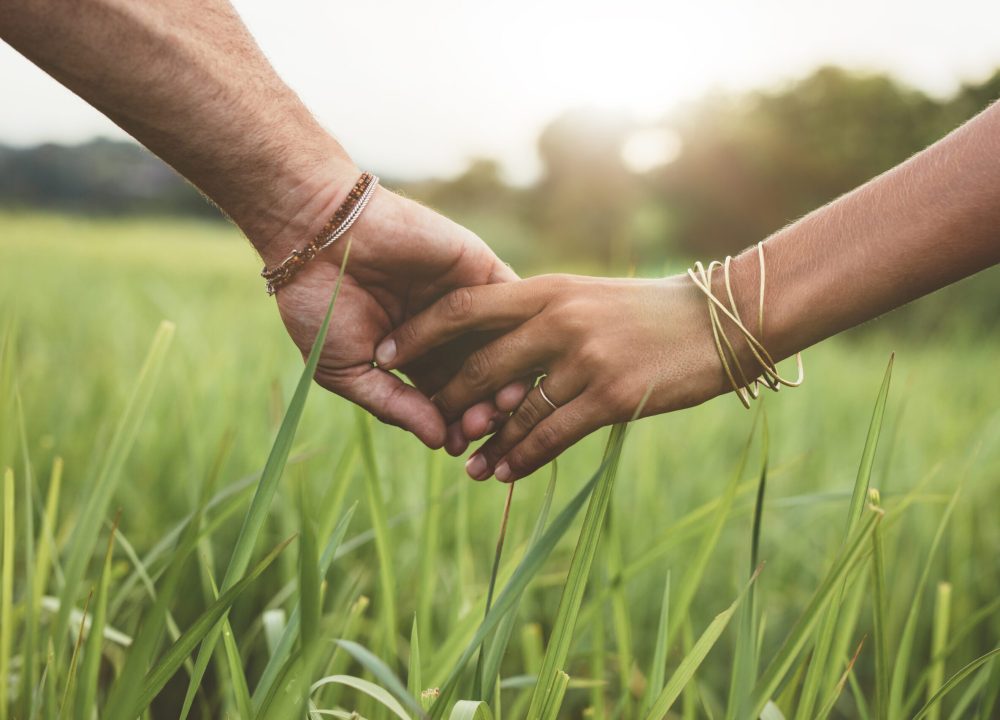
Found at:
[772, 324]
[294, 205]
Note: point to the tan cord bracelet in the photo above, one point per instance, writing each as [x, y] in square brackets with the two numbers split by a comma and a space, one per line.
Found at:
[334, 229]
[746, 389]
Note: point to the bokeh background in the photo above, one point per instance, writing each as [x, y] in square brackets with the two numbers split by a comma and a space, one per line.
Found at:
[625, 138]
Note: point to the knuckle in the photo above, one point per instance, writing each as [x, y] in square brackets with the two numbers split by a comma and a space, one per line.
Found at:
[547, 438]
[527, 416]
[445, 405]
[591, 356]
[408, 334]
[460, 303]
[476, 369]
[518, 461]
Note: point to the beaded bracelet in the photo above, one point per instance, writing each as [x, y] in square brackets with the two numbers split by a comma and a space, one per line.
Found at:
[335, 228]
[745, 389]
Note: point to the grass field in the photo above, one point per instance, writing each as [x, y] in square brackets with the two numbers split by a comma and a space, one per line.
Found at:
[103, 416]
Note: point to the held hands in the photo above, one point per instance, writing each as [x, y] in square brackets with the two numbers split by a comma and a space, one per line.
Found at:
[602, 344]
[403, 257]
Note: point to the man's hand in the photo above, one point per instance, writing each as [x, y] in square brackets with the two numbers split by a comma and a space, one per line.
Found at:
[403, 257]
[186, 79]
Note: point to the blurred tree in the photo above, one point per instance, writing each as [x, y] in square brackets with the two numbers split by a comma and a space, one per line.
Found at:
[97, 177]
[586, 197]
[752, 164]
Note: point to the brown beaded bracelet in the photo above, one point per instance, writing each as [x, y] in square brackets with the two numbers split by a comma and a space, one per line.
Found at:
[335, 228]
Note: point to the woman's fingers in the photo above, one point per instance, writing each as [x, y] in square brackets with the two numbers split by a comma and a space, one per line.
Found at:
[547, 440]
[518, 354]
[547, 398]
[482, 307]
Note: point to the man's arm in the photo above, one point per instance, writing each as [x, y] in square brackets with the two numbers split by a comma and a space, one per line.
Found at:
[186, 79]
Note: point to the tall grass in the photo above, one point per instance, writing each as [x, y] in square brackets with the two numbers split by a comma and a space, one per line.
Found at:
[722, 568]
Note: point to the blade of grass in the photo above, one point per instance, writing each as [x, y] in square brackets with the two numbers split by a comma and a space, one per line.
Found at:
[98, 495]
[583, 556]
[29, 668]
[228, 500]
[501, 639]
[952, 682]
[806, 623]
[471, 710]
[963, 706]
[939, 639]
[125, 690]
[989, 699]
[172, 659]
[479, 680]
[147, 583]
[553, 703]
[903, 651]
[831, 699]
[879, 621]
[693, 659]
[71, 673]
[383, 548]
[46, 542]
[529, 566]
[746, 659]
[693, 577]
[383, 674]
[368, 688]
[283, 649]
[860, 704]
[86, 689]
[309, 578]
[620, 622]
[6, 590]
[429, 534]
[256, 516]
[658, 668]
[414, 681]
[234, 662]
[816, 674]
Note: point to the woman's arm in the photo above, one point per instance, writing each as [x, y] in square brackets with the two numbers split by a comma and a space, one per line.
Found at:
[186, 79]
[924, 224]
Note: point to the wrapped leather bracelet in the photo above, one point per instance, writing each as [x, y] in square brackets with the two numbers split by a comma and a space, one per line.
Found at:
[335, 228]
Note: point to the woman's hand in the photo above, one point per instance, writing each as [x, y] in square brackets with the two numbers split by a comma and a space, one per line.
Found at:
[603, 344]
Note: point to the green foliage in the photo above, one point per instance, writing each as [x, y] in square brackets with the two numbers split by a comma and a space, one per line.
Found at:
[314, 628]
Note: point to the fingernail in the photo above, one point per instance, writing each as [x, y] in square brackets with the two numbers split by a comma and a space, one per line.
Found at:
[455, 442]
[385, 352]
[491, 426]
[475, 466]
[502, 472]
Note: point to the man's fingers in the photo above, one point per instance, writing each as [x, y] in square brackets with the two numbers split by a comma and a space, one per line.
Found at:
[483, 307]
[547, 440]
[392, 401]
[535, 409]
[515, 355]
[455, 441]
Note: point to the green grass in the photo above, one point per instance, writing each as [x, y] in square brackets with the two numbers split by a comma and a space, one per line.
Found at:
[377, 605]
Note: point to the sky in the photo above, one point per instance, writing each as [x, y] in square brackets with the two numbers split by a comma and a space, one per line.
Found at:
[417, 89]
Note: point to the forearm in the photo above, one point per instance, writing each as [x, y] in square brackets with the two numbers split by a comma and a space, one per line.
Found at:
[186, 79]
[929, 222]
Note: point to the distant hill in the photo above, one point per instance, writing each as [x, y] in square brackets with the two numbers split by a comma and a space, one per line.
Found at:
[102, 177]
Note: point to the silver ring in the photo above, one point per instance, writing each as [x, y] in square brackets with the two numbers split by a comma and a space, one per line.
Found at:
[545, 397]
